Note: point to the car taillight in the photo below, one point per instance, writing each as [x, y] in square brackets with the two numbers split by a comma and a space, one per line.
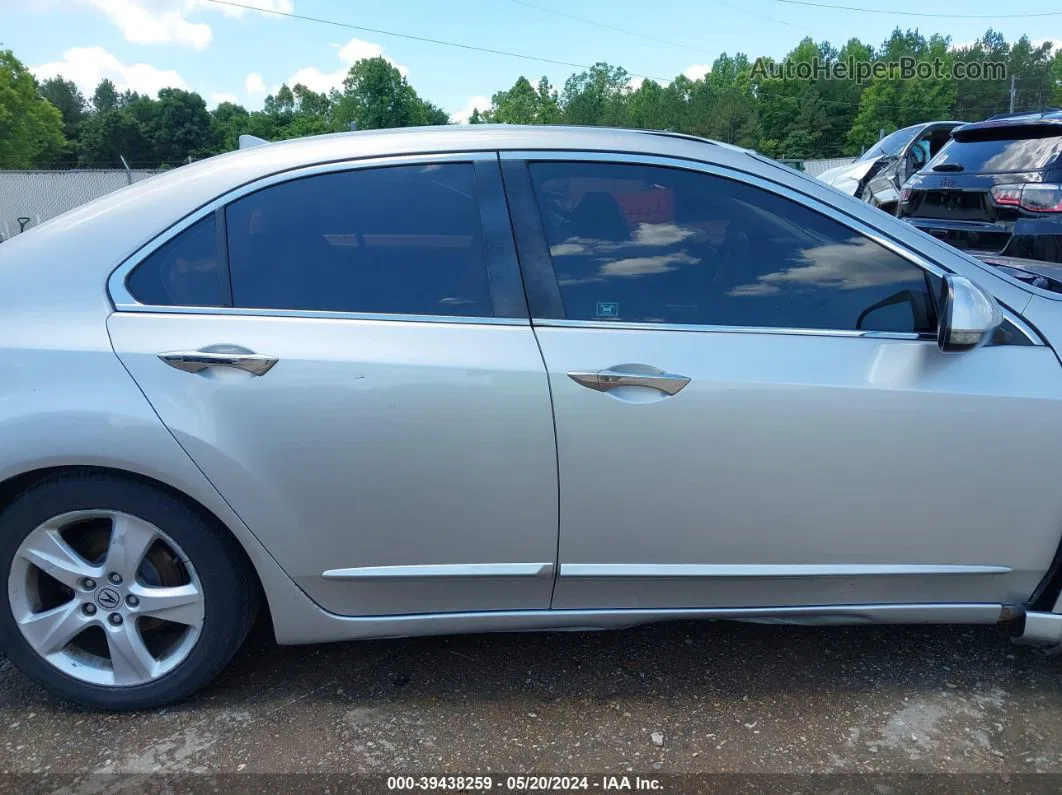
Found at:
[1037, 197]
[905, 195]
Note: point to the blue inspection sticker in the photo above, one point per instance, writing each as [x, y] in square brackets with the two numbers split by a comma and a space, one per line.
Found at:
[607, 309]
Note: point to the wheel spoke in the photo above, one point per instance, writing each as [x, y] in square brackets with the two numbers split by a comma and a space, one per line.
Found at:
[47, 550]
[50, 631]
[130, 540]
[182, 604]
[130, 659]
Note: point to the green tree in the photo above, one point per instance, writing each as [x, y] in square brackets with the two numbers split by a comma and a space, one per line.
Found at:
[105, 97]
[597, 96]
[107, 136]
[517, 105]
[31, 128]
[179, 127]
[375, 95]
[228, 122]
[67, 97]
[1056, 79]
[891, 103]
[71, 103]
[433, 115]
[653, 107]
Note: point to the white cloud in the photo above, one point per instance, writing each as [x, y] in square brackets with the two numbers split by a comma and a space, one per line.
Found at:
[87, 66]
[697, 71]
[154, 23]
[222, 96]
[316, 80]
[357, 50]
[350, 53]
[254, 83]
[172, 21]
[462, 116]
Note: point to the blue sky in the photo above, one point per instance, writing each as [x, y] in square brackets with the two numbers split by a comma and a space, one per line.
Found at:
[224, 53]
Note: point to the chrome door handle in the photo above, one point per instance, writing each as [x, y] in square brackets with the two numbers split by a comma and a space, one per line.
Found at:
[604, 380]
[194, 361]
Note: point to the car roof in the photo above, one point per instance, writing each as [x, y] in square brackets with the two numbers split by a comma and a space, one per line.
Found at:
[1049, 122]
[447, 138]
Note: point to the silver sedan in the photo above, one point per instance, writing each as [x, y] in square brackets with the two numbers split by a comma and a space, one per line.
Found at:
[501, 378]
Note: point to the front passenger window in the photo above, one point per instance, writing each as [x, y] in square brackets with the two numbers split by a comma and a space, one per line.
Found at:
[650, 244]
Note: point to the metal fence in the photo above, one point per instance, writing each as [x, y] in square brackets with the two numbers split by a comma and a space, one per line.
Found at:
[815, 167]
[28, 198]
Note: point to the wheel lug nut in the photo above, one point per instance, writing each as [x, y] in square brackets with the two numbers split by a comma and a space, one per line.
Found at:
[89, 583]
[115, 619]
[132, 601]
[88, 609]
[115, 578]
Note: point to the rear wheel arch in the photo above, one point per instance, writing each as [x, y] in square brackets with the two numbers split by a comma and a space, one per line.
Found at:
[15, 485]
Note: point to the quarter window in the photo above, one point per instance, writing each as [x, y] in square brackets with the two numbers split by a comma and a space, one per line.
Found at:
[661, 245]
[400, 239]
[184, 271]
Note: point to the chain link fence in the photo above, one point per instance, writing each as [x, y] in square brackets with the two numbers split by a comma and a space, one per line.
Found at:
[29, 198]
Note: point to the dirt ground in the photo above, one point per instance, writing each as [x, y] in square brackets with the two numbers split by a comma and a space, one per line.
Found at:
[659, 700]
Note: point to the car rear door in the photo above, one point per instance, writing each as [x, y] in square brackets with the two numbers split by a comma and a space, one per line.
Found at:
[345, 352]
[751, 409]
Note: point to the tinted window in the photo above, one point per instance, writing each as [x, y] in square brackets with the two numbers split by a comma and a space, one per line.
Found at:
[1023, 154]
[402, 240]
[650, 244]
[182, 272]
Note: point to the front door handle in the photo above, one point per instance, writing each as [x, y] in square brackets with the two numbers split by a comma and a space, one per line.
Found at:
[630, 375]
[194, 361]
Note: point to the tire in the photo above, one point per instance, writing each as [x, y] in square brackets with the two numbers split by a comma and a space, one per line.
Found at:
[223, 591]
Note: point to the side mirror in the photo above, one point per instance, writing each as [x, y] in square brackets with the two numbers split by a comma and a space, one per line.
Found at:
[968, 315]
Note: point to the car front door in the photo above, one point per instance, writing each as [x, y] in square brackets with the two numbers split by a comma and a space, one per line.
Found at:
[345, 352]
[750, 406]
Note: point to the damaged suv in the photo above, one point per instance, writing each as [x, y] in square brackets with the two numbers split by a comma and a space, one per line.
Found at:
[877, 175]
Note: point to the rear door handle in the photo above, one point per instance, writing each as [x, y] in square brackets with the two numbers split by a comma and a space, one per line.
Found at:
[627, 375]
[194, 361]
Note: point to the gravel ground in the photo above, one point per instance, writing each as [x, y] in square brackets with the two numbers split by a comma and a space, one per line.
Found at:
[664, 699]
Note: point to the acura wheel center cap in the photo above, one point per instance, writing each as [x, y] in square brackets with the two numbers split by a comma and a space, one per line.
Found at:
[108, 598]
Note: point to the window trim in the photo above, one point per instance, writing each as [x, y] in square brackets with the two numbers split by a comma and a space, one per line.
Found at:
[530, 238]
[499, 252]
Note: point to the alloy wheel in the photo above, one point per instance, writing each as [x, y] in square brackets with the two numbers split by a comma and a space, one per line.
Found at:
[106, 597]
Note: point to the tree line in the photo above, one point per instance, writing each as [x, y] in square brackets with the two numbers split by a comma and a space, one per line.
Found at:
[51, 123]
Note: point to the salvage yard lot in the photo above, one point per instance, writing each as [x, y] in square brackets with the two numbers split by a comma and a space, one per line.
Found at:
[735, 698]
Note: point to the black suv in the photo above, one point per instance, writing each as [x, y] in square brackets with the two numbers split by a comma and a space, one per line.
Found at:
[995, 188]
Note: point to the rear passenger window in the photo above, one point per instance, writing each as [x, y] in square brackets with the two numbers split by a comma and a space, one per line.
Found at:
[661, 245]
[183, 271]
[394, 240]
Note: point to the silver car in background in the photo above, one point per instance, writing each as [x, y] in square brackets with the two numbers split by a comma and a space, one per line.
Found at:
[501, 378]
[877, 176]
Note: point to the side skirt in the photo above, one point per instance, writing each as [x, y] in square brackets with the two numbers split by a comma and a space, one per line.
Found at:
[323, 627]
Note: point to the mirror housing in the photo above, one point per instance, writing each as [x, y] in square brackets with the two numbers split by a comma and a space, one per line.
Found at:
[968, 315]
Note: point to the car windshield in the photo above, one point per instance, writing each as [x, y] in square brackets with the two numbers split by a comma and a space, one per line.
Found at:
[891, 144]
